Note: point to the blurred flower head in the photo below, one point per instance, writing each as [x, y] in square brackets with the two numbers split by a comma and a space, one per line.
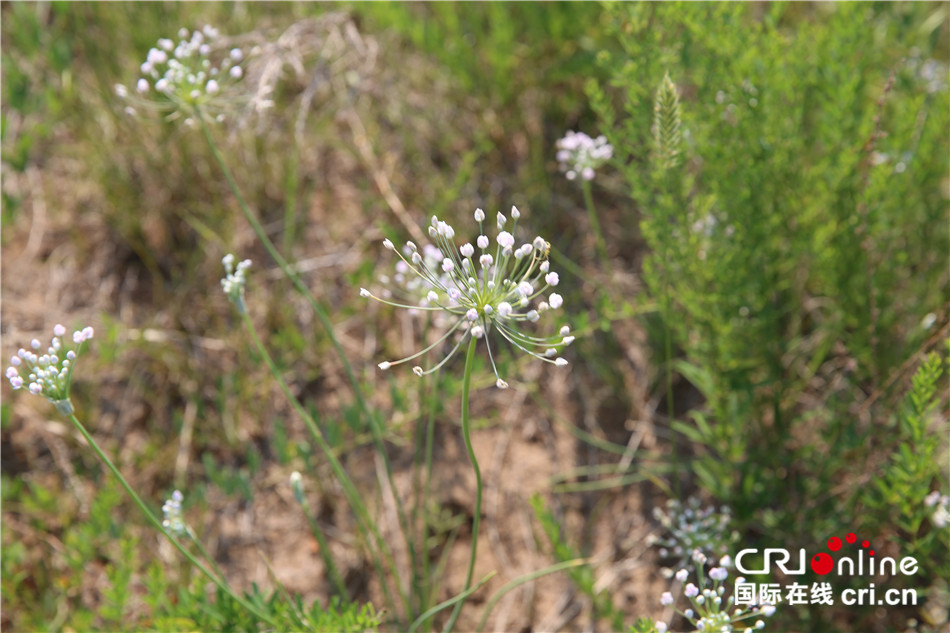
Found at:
[475, 289]
[693, 532]
[49, 374]
[190, 76]
[173, 521]
[234, 280]
[579, 154]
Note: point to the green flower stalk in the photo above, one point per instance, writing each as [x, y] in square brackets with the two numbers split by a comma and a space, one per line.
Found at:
[474, 290]
[50, 376]
[580, 155]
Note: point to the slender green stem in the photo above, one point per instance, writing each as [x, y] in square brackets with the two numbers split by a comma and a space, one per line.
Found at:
[301, 287]
[457, 600]
[517, 582]
[476, 518]
[161, 528]
[668, 350]
[595, 225]
[353, 496]
[204, 553]
[290, 192]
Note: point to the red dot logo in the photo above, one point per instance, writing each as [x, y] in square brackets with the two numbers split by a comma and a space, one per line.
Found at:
[851, 538]
[822, 563]
[834, 543]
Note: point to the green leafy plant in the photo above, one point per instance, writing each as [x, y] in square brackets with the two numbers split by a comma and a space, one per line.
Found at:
[899, 499]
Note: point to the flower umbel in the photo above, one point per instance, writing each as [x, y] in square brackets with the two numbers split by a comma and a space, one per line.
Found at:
[580, 154]
[234, 281]
[182, 75]
[691, 527]
[174, 522]
[709, 610]
[479, 288]
[50, 374]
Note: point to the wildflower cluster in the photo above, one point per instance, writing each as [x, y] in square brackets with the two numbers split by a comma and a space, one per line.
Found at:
[709, 611]
[691, 527]
[173, 521]
[234, 281]
[581, 154]
[478, 288]
[182, 75]
[941, 509]
[50, 374]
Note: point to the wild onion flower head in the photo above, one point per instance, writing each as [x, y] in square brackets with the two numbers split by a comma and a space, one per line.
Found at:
[709, 609]
[689, 528]
[187, 76]
[491, 285]
[49, 374]
[173, 521]
[234, 280]
[579, 154]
